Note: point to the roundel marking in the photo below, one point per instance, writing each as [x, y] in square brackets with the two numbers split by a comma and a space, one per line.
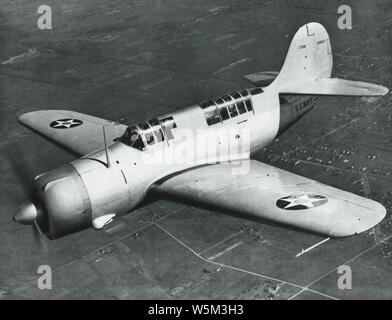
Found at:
[301, 201]
[65, 123]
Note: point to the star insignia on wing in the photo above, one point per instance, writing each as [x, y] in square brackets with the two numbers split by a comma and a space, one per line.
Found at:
[302, 201]
[65, 123]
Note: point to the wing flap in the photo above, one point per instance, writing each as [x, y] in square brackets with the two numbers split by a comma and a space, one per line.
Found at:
[77, 132]
[270, 193]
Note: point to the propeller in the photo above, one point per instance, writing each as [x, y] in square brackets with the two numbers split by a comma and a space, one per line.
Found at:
[30, 212]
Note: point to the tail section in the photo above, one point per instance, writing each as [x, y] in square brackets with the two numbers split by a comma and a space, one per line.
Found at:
[307, 68]
[309, 56]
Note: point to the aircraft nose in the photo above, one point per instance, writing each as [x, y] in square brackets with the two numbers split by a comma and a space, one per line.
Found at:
[26, 214]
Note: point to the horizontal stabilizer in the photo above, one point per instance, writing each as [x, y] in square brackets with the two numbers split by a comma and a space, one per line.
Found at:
[261, 79]
[335, 86]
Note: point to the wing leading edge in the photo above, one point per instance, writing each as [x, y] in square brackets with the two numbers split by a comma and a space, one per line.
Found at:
[270, 193]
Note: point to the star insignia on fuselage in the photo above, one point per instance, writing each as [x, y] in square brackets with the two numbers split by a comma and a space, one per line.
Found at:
[301, 201]
[65, 123]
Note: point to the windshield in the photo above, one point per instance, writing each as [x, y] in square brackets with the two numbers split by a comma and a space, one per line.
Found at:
[148, 134]
[132, 138]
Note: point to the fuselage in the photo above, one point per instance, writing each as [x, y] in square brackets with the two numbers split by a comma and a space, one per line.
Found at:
[113, 180]
[228, 128]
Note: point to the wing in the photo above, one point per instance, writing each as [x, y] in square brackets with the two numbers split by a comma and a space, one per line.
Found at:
[270, 193]
[77, 132]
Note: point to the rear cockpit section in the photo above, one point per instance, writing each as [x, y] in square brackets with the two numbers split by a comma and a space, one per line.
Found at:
[229, 106]
[148, 134]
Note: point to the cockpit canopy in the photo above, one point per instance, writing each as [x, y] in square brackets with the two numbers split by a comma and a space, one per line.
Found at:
[229, 106]
[149, 133]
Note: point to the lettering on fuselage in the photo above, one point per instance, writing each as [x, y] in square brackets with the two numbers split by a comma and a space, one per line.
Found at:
[292, 109]
[303, 104]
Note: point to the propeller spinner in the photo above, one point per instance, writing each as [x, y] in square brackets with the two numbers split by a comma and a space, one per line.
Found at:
[26, 214]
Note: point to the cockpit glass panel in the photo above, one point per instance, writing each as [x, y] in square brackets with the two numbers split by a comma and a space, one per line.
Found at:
[132, 138]
[168, 125]
[138, 143]
[257, 90]
[149, 138]
[224, 113]
[212, 115]
[233, 110]
[226, 98]
[156, 127]
[154, 122]
[241, 107]
[158, 134]
[244, 93]
[206, 104]
[249, 106]
[235, 95]
[144, 126]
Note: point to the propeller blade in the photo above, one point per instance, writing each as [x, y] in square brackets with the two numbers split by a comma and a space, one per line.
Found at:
[39, 238]
[21, 170]
[31, 212]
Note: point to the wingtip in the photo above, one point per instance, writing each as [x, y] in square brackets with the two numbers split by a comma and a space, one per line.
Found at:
[369, 218]
[23, 118]
[384, 90]
[380, 212]
[376, 89]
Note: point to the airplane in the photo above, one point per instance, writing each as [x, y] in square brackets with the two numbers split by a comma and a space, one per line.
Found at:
[119, 165]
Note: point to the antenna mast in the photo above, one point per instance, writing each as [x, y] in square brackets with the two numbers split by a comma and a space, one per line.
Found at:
[106, 148]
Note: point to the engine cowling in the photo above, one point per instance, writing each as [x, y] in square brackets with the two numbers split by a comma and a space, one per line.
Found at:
[89, 192]
[65, 200]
